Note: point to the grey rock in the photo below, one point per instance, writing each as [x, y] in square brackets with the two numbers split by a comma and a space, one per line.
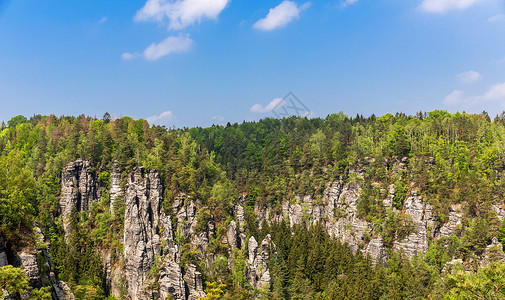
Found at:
[78, 189]
[455, 215]
[3, 253]
[231, 234]
[193, 279]
[240, 217]
[258, 274]
[61, 291]
[147, 236]
[418, 240]
[115, 185]
[28, 261]
[377, 251]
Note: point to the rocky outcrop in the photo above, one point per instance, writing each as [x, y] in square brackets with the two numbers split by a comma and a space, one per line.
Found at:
[61, 291]
[377, 251]
[148, 237]
[78, 189]
[449, 228]
[3, 253]
[28, 260]
[115, 185]
[493, 253]
[231, 235]
[422, 217]
[258, 274]
[193, 278]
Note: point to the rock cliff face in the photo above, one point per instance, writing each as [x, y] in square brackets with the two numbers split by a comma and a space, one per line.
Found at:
[420, 212]
[78, 189]
[115, 185]
[258, 274]
[148, 239]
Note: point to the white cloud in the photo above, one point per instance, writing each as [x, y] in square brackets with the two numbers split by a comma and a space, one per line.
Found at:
[172, 44]
[281, 15]
[258, 108]
[346, 3]
[180, 13]
[217, 118]
[456, 97]
[494, 93]
[129, 56]
[469, 77]
[442, 6]
[164, 116]
[496, 19]
[103, 20]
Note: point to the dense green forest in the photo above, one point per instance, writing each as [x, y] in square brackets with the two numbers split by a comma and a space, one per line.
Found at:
[450, 159]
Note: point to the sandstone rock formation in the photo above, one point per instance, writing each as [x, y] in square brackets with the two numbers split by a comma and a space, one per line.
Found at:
[258, 274]
[148, 237]
[420, 212]
[115, 185]
[61, 291]
[78, 189]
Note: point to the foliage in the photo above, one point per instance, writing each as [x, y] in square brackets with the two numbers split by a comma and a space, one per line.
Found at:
[13, 280]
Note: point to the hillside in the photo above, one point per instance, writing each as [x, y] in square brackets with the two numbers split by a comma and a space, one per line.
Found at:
[390, 207]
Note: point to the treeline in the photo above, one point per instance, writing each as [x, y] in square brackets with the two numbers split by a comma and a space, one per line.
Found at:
[448, 158]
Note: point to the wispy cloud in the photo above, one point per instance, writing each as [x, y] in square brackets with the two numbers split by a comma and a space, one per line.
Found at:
[180, 13]
[258, 108]
[494, 93]
[442, 6]
[129, 56]
[217, 118]
[281, 15]
[496, 19]
[346, 3]
[161, 118]
[103, 20]
[469, 77]
[172, 44]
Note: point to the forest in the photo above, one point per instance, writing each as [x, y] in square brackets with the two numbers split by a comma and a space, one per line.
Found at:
[450, 160]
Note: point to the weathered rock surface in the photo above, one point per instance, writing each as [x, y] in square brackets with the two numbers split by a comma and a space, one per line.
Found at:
[61, 291]
[455, 215]
[115, 185]
[3, 253]
[377, 251]
[147, 235]
[78, 189]
[28, 260]
[258, 274]
[493, 253]
[231, 234]
[193, 279]
[421, 215]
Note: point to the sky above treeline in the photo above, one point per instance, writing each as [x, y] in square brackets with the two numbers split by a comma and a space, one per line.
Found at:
[191, 63]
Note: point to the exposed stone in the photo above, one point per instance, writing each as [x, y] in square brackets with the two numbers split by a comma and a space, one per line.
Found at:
[377, 251]
[493, 253]
[231, 234]
[78, 189]
[61, 291]
[258, 274]
[28, 260]
[115, 185]
[455, 215]
[3, 253]
[148, 235]
[418, 240]
[193, 278]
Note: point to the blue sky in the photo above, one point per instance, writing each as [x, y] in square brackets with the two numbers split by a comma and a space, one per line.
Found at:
[198, 62]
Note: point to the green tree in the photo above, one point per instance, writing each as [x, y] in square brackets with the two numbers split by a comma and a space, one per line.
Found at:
[13, 280]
